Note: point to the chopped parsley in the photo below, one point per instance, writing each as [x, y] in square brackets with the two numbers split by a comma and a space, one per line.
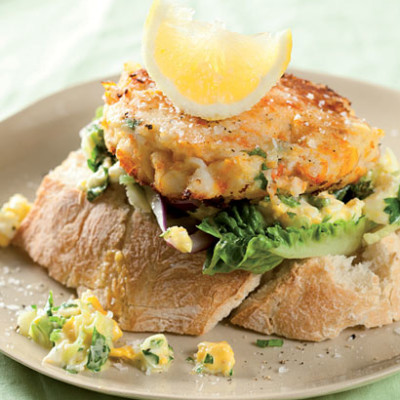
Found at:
[49, 304]
[393, 208]
[132, 123]
[262, 180]
[65, 305]
[199, 369]
[209, 359]
[94, 192]
[98, 351]
[289, 200]
[318, 202]
[267, 199]
[360, 190]
[93, 136]
[155, 357]
[257, 152]
[156, 342]
[57, 321]
[69, 305]
[269, 343]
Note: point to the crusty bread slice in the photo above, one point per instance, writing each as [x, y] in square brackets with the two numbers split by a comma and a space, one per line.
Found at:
[116, 251]
[316, 298]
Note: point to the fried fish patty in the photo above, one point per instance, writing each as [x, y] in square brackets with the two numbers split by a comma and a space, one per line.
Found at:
[301, 137]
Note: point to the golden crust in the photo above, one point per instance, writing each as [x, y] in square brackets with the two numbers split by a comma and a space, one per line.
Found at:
[315, 299]
[108, 247]
[310, 134]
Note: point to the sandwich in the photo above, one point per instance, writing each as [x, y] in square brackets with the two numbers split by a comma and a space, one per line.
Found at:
[283, 217]
[212, 185]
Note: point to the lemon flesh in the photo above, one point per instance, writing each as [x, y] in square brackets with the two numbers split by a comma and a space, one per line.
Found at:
[206, 70]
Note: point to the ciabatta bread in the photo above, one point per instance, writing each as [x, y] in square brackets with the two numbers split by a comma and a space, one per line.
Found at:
[316, 298]
[116, 251]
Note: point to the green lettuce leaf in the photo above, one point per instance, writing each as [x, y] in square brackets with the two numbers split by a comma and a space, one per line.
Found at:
[247, 243]
[339, 237]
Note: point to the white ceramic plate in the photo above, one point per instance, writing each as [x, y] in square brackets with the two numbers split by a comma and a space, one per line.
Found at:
[39, 138]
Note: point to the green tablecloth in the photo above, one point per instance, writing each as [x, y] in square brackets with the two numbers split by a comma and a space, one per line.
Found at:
[47, 45]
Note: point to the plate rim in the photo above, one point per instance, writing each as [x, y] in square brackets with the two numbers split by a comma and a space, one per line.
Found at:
[325, 389]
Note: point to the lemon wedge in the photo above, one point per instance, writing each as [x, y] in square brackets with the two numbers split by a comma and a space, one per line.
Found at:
[206, 70]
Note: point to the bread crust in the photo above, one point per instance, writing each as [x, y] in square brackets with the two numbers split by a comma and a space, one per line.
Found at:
[116, 251]
[316, 298]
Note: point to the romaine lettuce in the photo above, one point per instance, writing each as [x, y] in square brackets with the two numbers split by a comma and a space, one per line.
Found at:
[247, 243]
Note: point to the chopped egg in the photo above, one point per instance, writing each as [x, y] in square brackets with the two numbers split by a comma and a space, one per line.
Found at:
[337, 210]
[305, 211]
[388, 162]
[179, 238]
[97, 179]
[80, 335]
[214, 358]
[12, 214]
[308, 209]
[154, 354]
[115, 171]
[386, 186]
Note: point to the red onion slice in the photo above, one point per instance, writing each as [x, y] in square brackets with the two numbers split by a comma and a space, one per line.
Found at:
[158, 208]
[201, 241]
[185, 205]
